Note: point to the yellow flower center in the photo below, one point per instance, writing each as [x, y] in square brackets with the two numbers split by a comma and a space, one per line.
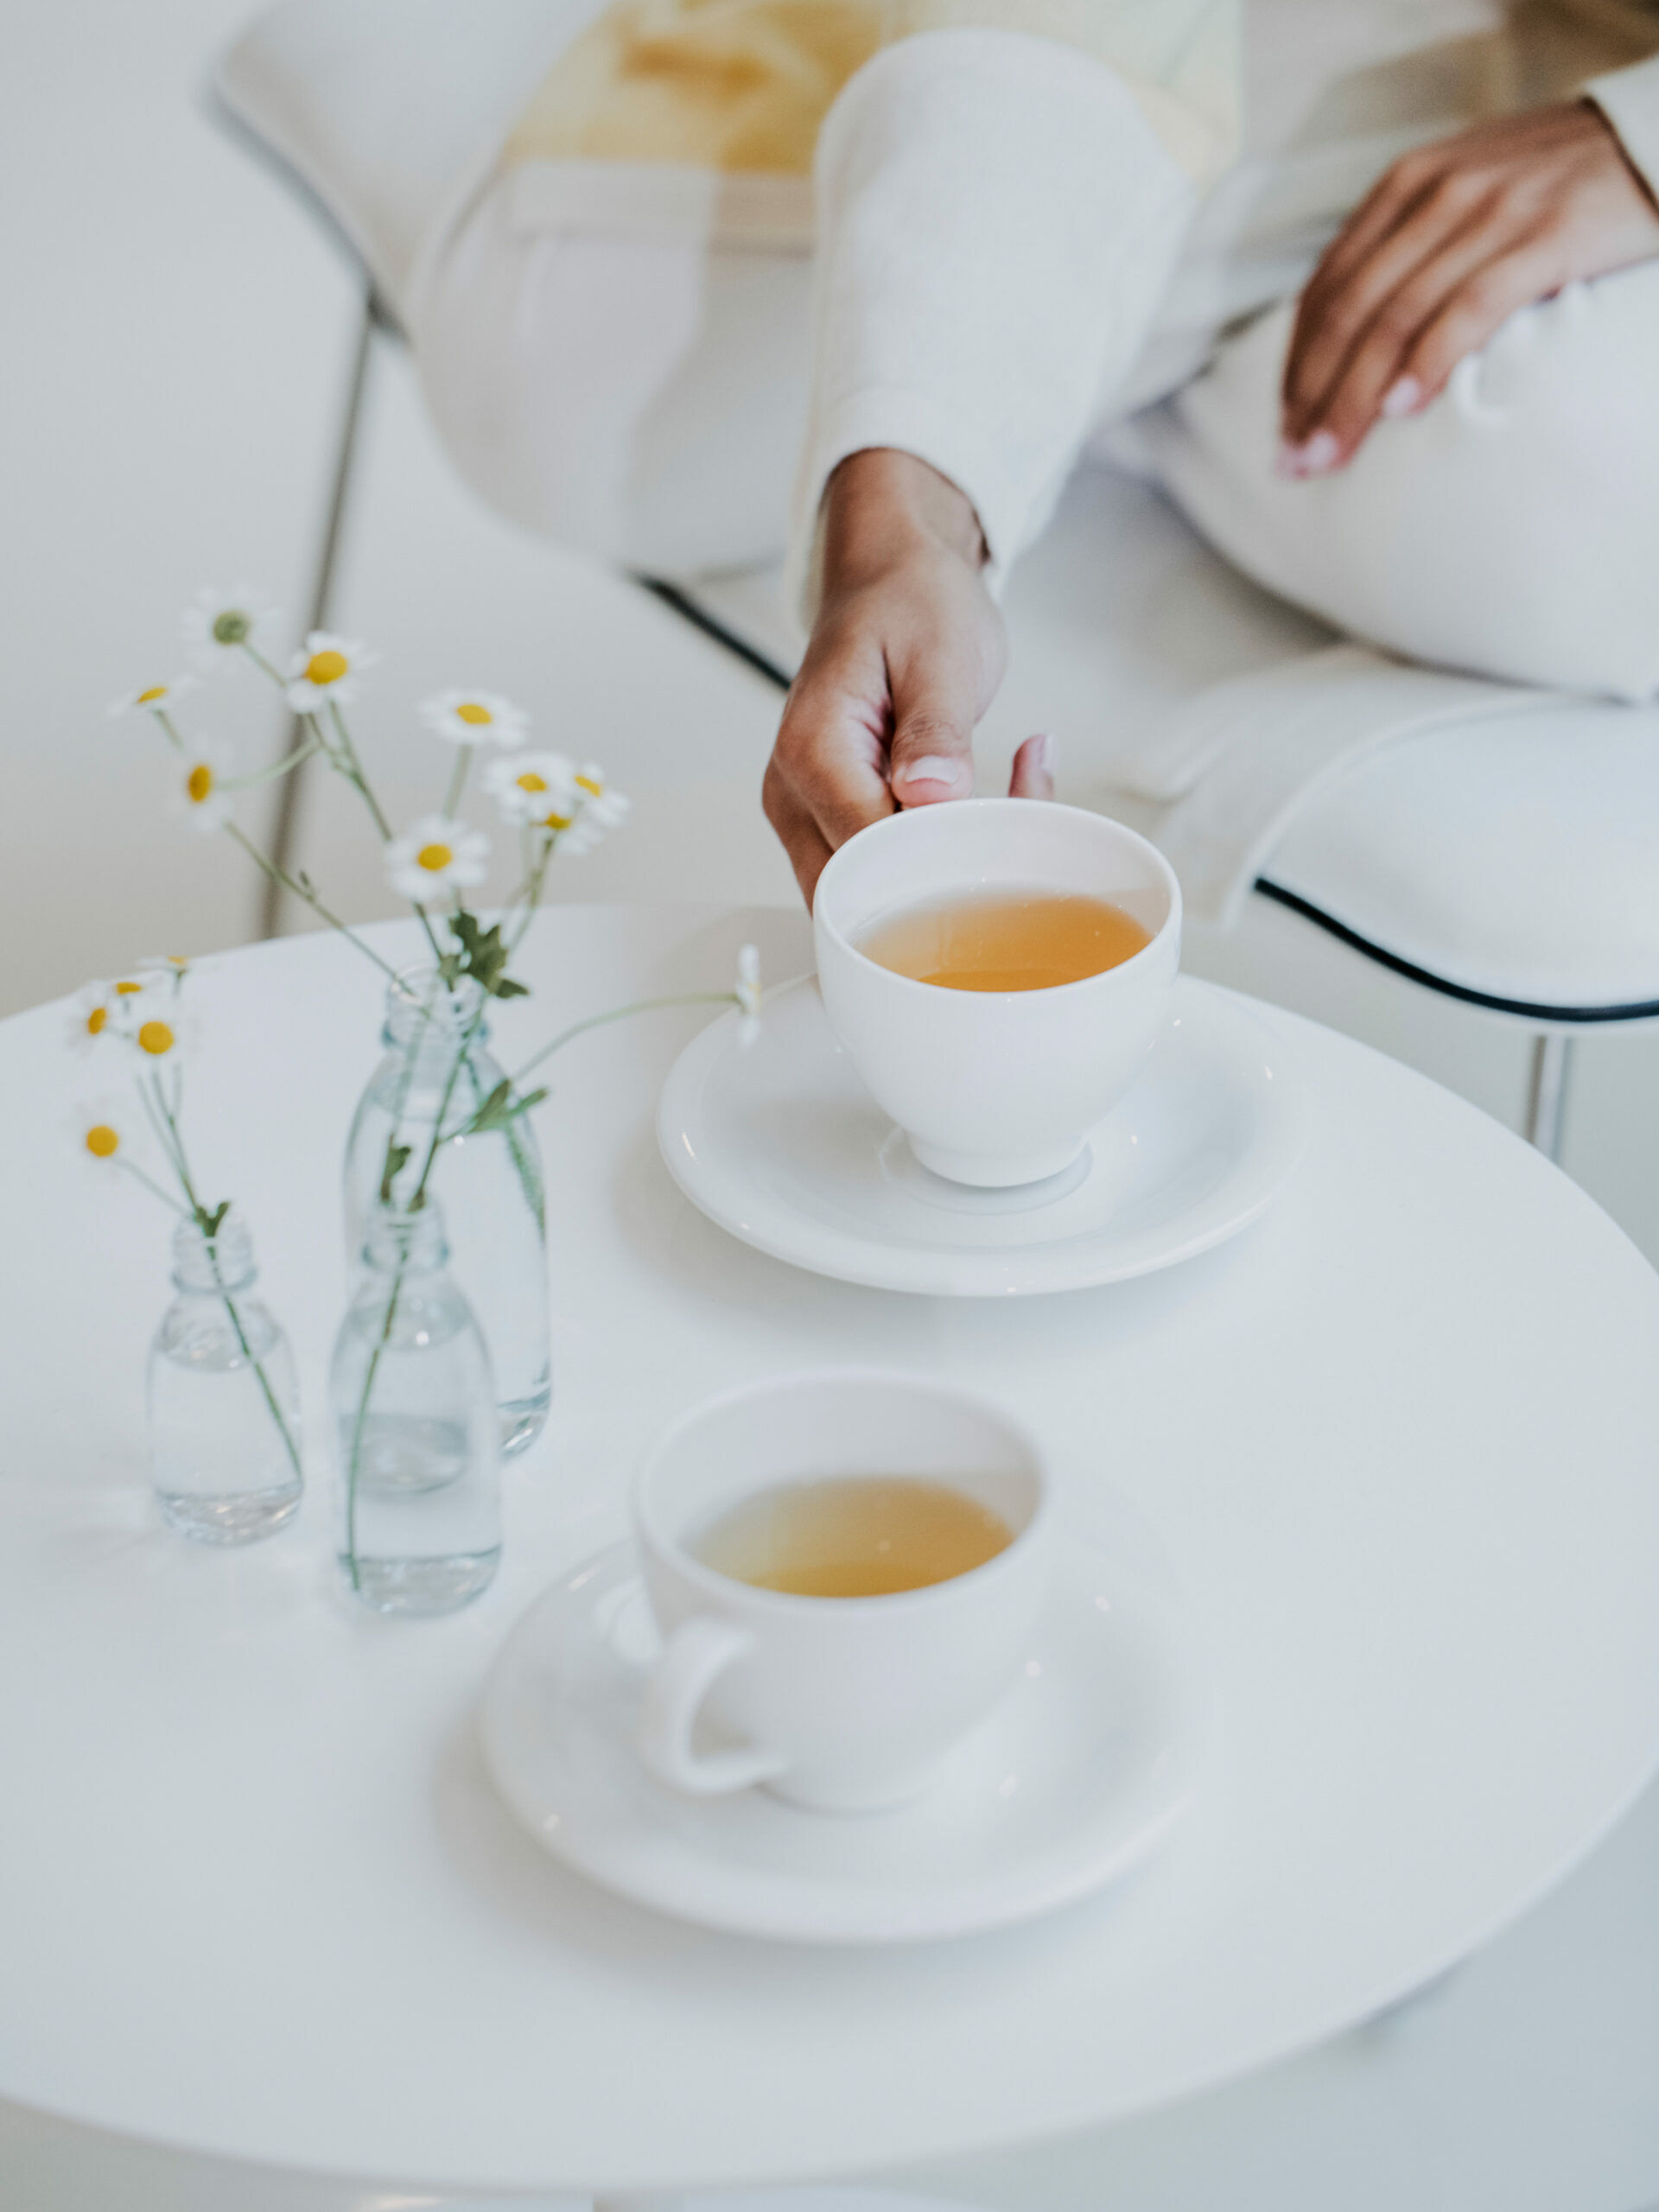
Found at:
[128, 990]
[557, 820]
[434, 858]
[592, 783]
[96, 1019]
[149, 698]
[470, 711]
[326, 667]
[530, 781]
[155, 1038]
[199, 782]
[102, 1141]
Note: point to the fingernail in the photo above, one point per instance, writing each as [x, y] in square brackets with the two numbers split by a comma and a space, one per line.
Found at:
[1403, 397]
[1322, 452]
[1287, 462]
[931, 768]
[1043, 751]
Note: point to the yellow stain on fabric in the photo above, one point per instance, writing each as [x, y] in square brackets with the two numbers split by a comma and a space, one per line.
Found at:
[745, 84]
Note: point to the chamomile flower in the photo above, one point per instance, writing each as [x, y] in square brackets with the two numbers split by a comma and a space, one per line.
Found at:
[153, 698]
[603, 809]
[474, 718]
[536, 788]
[324, 671]
[437, 855]
[100, 1131]
[161, 1038]
[167, 972]
[106, 1011]
[218, 625]
[199, 795]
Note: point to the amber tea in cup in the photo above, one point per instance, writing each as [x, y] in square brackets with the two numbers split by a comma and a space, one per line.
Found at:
[1006, 940]
[852, 1537]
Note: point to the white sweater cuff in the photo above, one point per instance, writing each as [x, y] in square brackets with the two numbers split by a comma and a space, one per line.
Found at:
[997, 221]
[1630, 100]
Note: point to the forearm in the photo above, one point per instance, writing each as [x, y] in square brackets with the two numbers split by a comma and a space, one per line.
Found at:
[997, 222]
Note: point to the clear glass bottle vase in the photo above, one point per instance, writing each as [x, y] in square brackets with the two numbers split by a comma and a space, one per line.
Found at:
[490, 1184]
[412, 1405]
[224, 1404]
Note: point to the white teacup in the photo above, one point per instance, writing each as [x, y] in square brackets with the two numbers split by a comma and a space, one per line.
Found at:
[995, 1087]
[843, 1704]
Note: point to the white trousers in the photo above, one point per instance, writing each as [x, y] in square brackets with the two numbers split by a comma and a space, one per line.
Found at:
[645, 402]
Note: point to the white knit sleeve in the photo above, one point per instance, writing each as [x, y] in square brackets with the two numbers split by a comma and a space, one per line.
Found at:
[997, 221]
[1630, 100]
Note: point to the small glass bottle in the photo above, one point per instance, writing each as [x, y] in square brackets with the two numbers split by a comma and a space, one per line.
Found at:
[413, 1406]
[224, 1404]
[490, 1184]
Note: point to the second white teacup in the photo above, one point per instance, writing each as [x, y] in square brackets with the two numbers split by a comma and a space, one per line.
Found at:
[844, 1704]
[995, 1087]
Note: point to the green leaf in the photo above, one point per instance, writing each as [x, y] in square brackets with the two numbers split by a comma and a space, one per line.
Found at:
[397, 1160]
[211, 1223]
[484, 957]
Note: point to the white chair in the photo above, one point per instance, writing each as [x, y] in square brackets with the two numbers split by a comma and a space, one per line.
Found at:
[1425, 859]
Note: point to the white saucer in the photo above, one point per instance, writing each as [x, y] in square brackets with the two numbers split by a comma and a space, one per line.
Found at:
[1071, 1780]
[770, 1131]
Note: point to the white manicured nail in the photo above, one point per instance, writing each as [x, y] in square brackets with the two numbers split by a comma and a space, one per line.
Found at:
[1321, 452]
[931, 768]
[1043, 750]
[1403, 397]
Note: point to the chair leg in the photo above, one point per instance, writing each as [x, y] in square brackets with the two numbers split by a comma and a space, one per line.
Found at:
[285, 824]
[1552, 1068]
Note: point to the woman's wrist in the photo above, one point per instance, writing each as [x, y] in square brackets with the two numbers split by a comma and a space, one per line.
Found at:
[881, 505]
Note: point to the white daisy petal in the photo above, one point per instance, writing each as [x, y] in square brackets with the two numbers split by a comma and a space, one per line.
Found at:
[153, 698]
[474, 718]
[199, 796]
[437, 856]
[326, 671]
[529, 788]
[101, 1130]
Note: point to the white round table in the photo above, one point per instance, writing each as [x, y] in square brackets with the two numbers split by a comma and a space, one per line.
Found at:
[257, 1901]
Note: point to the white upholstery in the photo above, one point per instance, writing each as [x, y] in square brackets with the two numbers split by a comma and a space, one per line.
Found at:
[382, 106]
[1511, 860]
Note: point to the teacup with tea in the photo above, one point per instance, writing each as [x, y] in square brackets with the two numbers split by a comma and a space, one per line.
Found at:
[997, 970]
[847, 1568]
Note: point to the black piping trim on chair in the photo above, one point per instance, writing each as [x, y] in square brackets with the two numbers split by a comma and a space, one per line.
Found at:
[1638, 1011]
[687, 609]
[711, 627]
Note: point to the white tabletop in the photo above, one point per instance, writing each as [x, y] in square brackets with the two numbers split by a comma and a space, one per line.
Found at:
[256, 1897]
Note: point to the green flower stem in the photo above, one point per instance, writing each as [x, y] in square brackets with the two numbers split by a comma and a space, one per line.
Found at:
[153, 1186]
[354, 770]
[417, 1200]
[290, 883]
[458, 779]
[229, 1303]
[166, 721]
[263, 664]
[274, 768]
[620, 1013]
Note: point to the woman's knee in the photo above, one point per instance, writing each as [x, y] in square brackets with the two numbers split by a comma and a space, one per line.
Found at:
[1507, 529]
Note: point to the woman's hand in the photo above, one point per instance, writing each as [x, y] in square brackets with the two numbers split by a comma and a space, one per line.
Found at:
[1453, 239]
[906, 656]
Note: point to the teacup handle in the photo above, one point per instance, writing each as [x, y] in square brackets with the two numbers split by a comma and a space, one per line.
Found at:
[695, 1655]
